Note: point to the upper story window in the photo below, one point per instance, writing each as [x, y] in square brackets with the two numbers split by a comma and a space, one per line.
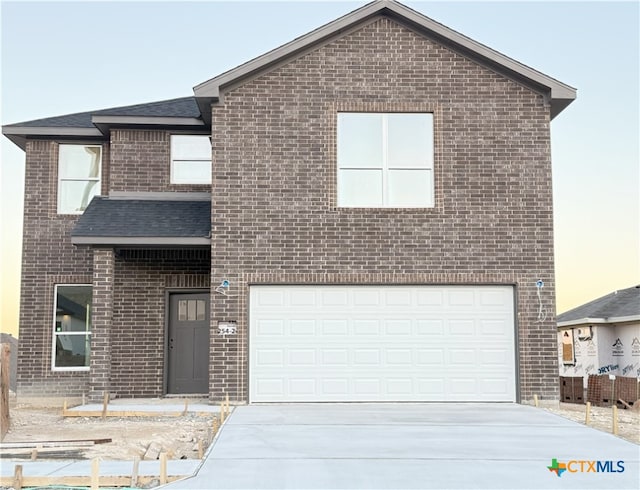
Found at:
[190, 159]
[385, 160]
[72, 327]
[79, 168]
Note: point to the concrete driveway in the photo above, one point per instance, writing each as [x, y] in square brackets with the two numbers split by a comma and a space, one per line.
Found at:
[410, 446]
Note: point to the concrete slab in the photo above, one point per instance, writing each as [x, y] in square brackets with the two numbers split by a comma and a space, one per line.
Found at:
[413, 446]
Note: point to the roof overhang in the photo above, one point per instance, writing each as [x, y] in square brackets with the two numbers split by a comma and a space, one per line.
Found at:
[146, 220]
[599, 321]
[19, 134]
[558, 94]
[103, 126]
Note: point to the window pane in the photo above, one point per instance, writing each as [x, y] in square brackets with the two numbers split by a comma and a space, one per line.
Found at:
[191, 172]
[73, 309]
[79, 162]
[72, 350]
[182, 310]
[72, 326]
[75, 195]
[359, 140]
[360, 188]
[410, 188]
[191, 310]
[410, 140]
[200, 310]
[190, 147]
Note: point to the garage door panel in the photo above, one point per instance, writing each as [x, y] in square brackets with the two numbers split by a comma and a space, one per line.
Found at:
[461, 327]
[391, 343]
[335, 357]
[366, 327]
[302, 327]
[270, 327]
[269, 357]
[430, 327]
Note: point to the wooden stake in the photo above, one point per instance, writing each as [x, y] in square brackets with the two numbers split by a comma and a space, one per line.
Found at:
[95, 473]
[200, 449]
[186, 406]
[587, 414]
[163, 468]
[134, 472]
[105, 403]
[614, 424]
[83, 399]
[216, 426]
[17, 477]
[34, 455]
[221, 413]
[64, 406]
[535, 400]
[227, 403]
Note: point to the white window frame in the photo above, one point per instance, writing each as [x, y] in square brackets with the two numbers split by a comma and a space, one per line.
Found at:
[385, 169]
[74, 179]
[172, 178]
[55, 334]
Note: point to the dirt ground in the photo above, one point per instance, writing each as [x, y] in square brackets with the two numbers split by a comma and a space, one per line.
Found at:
[602, 419]
[131, 436]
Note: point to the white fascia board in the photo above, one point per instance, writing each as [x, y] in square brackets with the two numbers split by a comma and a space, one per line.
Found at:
[50, 131]
[599, 321]
[147, 120]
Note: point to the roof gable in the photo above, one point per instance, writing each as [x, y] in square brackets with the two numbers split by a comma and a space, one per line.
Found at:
[558, 94]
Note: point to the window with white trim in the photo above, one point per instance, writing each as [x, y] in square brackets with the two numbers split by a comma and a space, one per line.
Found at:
[190, 159]
[385, 160]
[71, 327]
[79, 168]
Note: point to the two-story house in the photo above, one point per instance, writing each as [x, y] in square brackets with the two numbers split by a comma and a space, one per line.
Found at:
[361, 214]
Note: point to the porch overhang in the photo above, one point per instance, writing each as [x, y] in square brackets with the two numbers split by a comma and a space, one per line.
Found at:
[154, 221]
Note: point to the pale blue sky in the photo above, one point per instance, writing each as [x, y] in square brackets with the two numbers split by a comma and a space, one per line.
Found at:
[60, 58]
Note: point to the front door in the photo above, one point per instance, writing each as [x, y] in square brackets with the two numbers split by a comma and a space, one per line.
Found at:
[188, 370]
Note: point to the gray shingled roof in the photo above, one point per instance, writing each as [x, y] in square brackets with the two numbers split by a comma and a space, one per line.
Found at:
[143, 221]
[623, 303]
[182, 107]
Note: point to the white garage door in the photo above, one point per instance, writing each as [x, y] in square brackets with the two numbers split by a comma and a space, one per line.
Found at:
[381, 343]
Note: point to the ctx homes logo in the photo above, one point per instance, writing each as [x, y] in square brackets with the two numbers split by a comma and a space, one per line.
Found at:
[582, 466]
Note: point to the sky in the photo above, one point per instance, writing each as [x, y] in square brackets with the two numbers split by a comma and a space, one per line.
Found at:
[60, 58]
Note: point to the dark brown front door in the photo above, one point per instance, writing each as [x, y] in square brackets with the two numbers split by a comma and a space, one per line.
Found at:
[188, 370]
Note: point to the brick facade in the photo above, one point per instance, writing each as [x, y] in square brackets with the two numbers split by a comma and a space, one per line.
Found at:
[141, 162]
[128, 338]
[492, 220]
[48, 258]
[275, 220]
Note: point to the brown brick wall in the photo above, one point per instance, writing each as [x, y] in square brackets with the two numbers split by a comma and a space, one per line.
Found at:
[141, 162]
[101, 323]
[274, 138]
[48, 258]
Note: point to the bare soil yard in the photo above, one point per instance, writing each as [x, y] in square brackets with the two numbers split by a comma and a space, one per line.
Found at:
[602, 419]
[131, 436]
